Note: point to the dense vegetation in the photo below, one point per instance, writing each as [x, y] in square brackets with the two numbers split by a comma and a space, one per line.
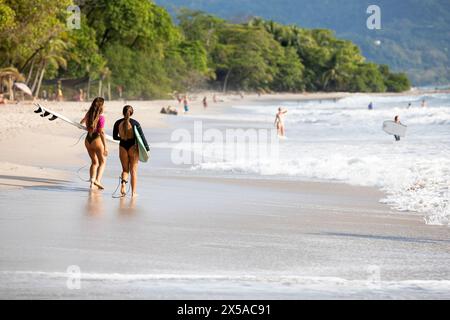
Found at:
[135, 44]
[415, 35]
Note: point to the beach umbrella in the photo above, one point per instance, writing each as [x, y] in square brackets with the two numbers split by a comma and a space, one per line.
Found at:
[23, 87]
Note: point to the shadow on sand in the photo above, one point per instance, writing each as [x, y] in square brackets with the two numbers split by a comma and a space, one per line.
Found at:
[379, 237]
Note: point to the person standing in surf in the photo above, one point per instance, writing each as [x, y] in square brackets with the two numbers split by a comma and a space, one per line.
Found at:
[397, 120]
[279, 121]
[95, 141]
[128, 150]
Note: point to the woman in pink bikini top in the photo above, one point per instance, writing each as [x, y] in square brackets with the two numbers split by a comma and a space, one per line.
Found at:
[95, 141]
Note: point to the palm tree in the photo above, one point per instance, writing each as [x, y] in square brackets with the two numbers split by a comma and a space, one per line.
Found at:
[52, 55]
[334, 74]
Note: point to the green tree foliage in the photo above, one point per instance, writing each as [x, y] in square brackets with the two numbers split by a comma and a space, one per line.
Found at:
[414, 35]
[7, 16]
[136, 45]
[29, 28]
[246, 57]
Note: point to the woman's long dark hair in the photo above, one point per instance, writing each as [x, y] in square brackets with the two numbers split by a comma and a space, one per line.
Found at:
[127, 129]
[94, 113]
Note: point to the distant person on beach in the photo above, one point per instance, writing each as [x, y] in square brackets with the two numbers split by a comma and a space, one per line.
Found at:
[397, 120]
[128, 150]
[80, 95]
[279, 121]
[186, 104]
[3, 100]
[214, 98]
[205, 103]
[370, 106]
[409, 105]
[95, 141]
[120, 91]
[424, 103]
[59, 96]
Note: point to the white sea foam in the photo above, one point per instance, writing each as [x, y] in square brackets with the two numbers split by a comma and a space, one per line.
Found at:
[28, 284]
[343, 141]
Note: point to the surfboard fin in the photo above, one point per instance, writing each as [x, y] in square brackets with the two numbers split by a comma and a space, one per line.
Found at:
[39, 110]
[53, 118]
[46, 114]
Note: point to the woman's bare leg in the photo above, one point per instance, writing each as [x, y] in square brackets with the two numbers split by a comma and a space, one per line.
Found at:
[133, 155]
[100, 151]
[123, 155]
[94, 164]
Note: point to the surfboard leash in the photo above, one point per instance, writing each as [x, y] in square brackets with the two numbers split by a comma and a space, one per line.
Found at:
[114, 196]
[79, 139]
[79, 175]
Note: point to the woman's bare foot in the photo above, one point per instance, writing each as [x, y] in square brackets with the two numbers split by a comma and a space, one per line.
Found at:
[99, 185]
[134, 195]
[123, 189]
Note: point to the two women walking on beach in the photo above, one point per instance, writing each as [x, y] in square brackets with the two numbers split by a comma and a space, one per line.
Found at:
[124, 131]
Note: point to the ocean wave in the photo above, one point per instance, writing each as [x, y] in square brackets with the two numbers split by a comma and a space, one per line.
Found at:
[284, 279]
[413, 179]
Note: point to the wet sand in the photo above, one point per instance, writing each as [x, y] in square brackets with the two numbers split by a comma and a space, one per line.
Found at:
[231, 237]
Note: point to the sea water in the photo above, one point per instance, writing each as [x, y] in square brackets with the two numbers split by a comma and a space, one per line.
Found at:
[342, 141]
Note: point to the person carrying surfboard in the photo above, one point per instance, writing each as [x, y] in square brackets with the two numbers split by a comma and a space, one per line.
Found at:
[95, 141]
[124, 131]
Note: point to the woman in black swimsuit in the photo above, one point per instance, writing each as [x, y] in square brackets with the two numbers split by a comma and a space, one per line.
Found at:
[128, 151]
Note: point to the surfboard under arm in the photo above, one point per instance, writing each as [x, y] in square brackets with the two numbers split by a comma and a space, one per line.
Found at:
[45, 112]
[393, 128]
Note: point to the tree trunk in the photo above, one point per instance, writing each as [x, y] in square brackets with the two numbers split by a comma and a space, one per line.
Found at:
[225, 83]
[36, 78]
[30, 73]
[100, 87]
[40, 82]
[109, 91]
[10, 87]
[88, 94]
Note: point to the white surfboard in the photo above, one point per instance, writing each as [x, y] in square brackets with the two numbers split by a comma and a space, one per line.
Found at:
[393, 128]
[143, 153]
[45, 112]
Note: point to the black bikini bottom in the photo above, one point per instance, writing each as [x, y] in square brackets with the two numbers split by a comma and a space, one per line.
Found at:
[91, 137]
[127, 144]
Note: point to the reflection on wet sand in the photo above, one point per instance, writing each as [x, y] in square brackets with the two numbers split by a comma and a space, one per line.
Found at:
[95, 205]
[127, 206]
